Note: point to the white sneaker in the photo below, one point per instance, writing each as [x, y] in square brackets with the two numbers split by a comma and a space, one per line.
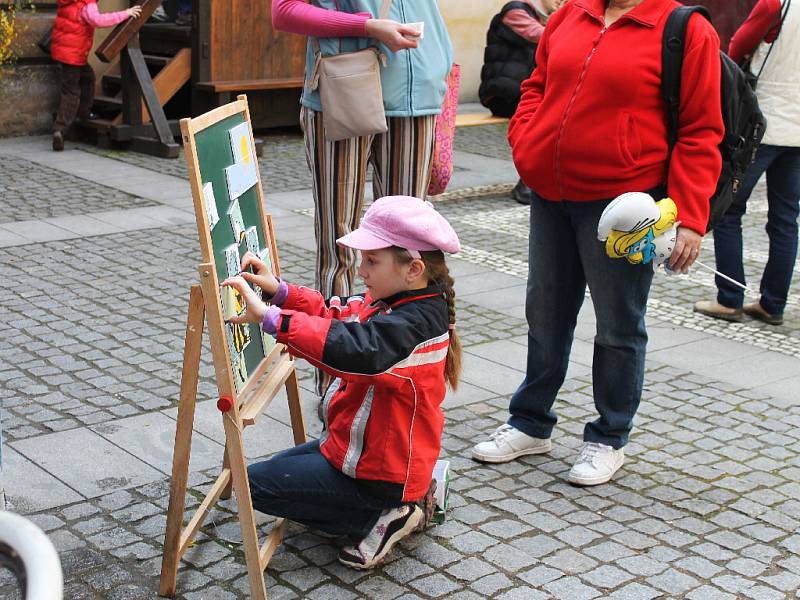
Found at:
[596, 464]
[508, 443]
[392, 526]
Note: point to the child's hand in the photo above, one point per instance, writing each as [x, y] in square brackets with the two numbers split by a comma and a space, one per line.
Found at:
[262, 277]
[134, 12]
[255, 309]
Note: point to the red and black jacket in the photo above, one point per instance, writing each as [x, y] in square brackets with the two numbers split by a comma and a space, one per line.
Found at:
[383, 413]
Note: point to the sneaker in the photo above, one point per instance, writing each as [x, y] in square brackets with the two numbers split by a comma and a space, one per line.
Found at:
[714, 309]
[427, 504]
[596, 464]
[757, 311]
[58, 141]
[508, 443]
[392, 526]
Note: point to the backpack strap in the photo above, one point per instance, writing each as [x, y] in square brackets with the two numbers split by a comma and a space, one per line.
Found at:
[672, 63]
[779, 19]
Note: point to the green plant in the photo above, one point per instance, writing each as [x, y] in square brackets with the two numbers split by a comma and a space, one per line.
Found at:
[11, 30]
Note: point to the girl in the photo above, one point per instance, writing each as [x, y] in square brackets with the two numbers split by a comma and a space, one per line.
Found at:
[414, 84]
[391, 352]
[73, 34]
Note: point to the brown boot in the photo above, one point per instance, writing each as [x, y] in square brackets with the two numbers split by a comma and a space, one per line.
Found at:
[757, 311]
[710, 308]
[58, 141]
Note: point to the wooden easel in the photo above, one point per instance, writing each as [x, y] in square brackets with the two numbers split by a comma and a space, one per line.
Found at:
[238, 409]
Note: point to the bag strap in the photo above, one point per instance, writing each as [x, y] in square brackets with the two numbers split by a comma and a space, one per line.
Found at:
[672, 64]
[779, 22]
[384, 12]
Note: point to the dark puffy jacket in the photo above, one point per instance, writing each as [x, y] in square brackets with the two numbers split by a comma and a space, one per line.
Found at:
[72, 37]
[508, 60]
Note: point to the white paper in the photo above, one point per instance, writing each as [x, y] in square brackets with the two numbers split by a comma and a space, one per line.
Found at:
[241, 175]
[418, 26]
[210, 203]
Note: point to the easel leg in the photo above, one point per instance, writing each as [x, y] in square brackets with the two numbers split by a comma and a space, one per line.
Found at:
[295, 409]
[247, 518]
[183, 441]
[226, 464]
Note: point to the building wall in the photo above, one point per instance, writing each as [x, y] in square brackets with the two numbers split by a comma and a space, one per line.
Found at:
[467, 21]
[29, 92]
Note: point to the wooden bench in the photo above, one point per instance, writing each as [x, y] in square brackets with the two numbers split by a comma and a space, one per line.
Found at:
[224, 90]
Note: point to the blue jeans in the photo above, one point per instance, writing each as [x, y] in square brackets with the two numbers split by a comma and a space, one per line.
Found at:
[301, 485]
[782, 165]
[565, 256]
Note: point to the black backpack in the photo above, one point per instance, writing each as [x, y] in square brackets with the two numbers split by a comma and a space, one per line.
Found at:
[744, 123]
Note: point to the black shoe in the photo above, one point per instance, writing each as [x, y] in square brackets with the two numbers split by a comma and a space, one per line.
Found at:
[58, 141]
[522, 193]
[392, 526]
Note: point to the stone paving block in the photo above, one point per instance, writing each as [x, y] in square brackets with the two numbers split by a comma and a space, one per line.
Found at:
[606, 577]
[29, 488]
[571, 588]
[110, 467]
[151, 437]
[635, 591]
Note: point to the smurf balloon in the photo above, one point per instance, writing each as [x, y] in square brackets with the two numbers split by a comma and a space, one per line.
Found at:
[636, 227]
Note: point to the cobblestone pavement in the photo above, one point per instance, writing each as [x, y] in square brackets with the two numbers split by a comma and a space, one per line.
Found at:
[91, 339]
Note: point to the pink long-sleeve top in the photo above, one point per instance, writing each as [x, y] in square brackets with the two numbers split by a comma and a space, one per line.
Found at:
[95, 18]
[761, 23]
[524, 25]
[298, 16]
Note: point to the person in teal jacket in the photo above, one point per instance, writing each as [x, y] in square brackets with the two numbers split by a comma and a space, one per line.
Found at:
[414, 84]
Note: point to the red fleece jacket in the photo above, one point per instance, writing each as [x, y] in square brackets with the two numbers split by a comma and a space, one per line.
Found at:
[591, 123]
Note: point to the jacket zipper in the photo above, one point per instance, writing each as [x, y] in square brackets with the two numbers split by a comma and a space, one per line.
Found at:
[569, 109]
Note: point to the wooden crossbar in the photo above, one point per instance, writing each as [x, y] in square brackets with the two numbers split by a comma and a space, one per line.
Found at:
[202, 511]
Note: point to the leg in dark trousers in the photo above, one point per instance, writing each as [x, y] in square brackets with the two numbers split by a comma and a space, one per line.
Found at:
[301, 485]
[77, 95]
[87, 92]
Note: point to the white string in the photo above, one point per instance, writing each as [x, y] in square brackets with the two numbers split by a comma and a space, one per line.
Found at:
[733, 281]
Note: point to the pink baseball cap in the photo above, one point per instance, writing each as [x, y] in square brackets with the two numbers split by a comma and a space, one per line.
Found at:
[402, 221]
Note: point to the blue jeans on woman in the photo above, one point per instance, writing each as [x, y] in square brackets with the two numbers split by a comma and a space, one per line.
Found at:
[301, 485]
[565, 256]
[782, 164]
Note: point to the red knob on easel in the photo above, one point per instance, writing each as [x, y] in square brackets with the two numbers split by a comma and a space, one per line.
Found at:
[225, 403]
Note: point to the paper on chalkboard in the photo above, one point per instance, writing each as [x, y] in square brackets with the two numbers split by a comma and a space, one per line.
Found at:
[237, 221]
[241, 175]
[210, 203]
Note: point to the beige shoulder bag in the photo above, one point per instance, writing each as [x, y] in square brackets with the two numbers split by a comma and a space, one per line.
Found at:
[350, 90]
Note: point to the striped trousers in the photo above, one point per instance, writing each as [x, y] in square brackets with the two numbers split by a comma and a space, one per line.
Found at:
[401, 166]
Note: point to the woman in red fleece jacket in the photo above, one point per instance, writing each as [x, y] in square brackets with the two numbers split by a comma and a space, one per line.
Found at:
[591, 124]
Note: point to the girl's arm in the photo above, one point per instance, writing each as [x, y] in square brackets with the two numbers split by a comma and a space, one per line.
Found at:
[352, 351]
[524, 25]
[95, 18]
[761, 23]
[297, 16]
[294, 297]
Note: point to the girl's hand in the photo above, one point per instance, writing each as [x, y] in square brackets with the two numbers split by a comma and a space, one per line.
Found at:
[262, 277]
[394, 35]
[134, 12]
[687, 249]
[255, 309]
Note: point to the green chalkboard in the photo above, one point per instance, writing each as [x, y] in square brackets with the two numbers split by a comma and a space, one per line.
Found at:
[230, 197]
